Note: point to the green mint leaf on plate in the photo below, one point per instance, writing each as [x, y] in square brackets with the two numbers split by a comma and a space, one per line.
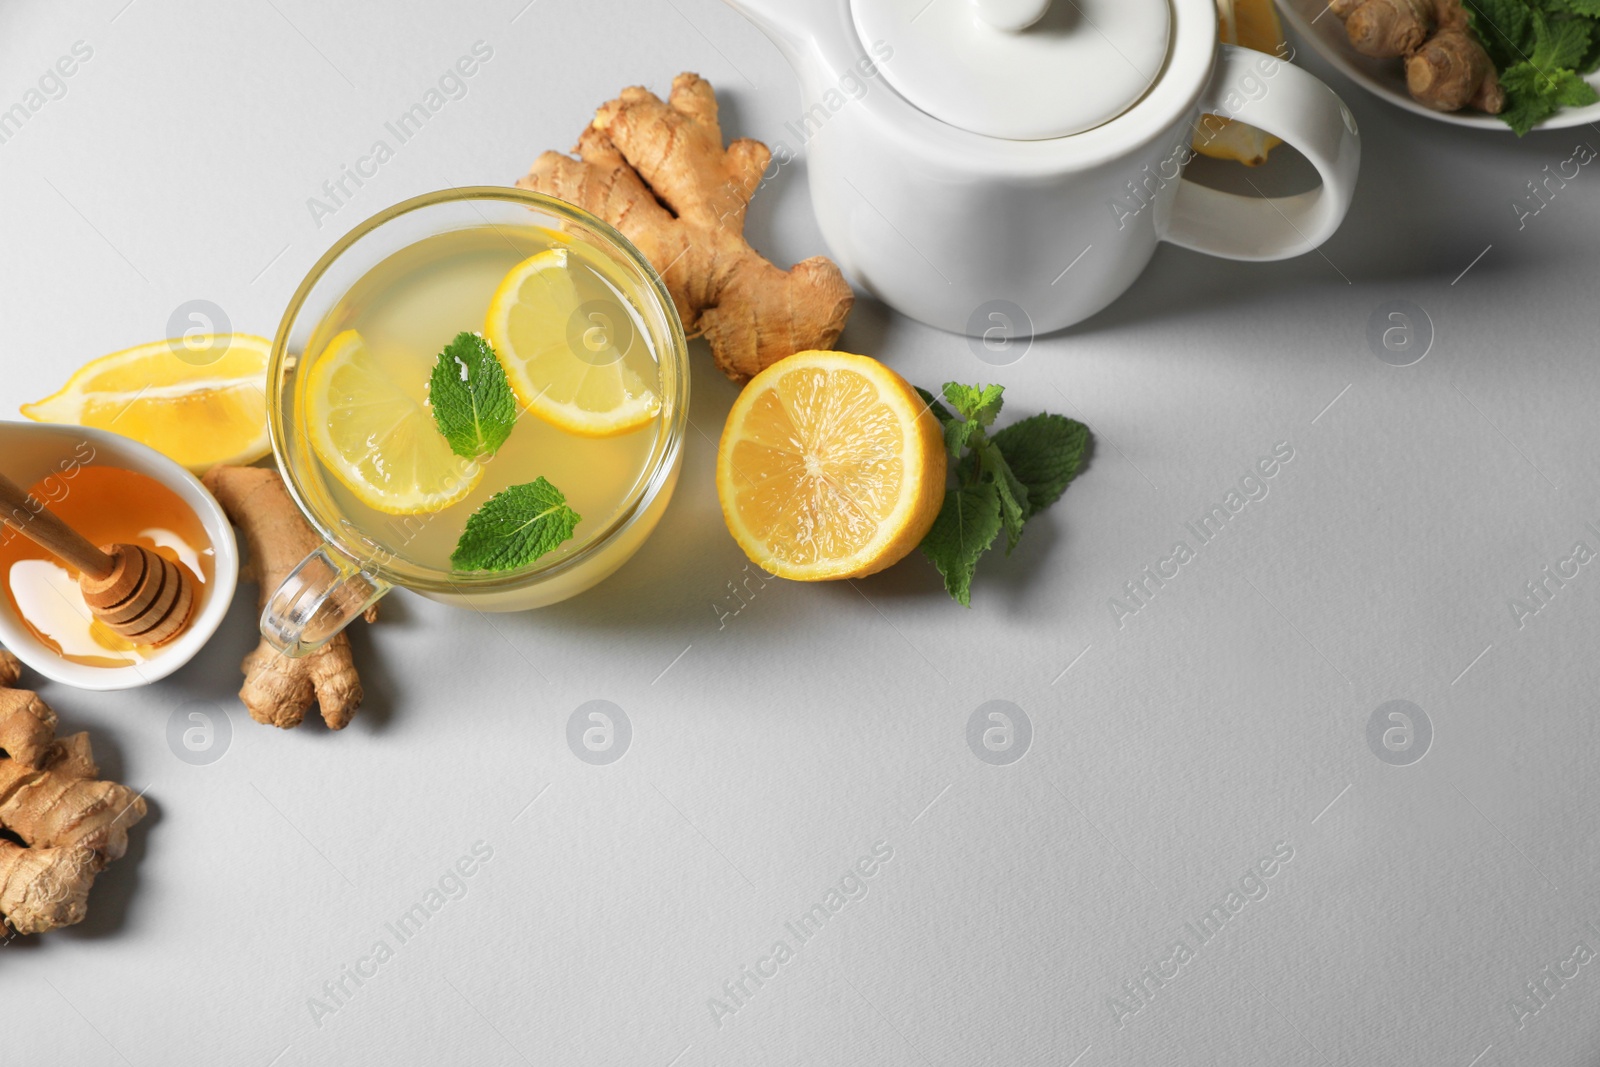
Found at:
[967, 525]
[1541, 49]
[1526, 106]
[1001, 479]
[1533, 95]
[472, 402]
[1044, 452]
[1558, 43]
[1503, 26]
[515, 527]
[1573, 91]
[1591, 8]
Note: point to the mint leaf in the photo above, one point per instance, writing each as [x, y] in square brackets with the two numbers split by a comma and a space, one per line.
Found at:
[957, 432]
[1582, 48]
[1558, 43]
[1533, 95]
[1573, 91]
[472, 403]
[1526, 106]
[1589, 8]
[1591, 58]
[1013, 494]
[1504, 27]
[1044, 452]
[1000, 481]
[515, 527]
[976, 403]
[967, 525]
[1539, 47]
[1013, 505]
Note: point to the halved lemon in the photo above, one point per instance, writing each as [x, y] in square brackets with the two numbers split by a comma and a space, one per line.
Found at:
[378, 439]
[567, 360]
[200, 400]
[830, 466]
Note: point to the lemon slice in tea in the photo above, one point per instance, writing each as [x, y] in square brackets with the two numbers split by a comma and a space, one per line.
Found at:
[573, 363]
[378, 439]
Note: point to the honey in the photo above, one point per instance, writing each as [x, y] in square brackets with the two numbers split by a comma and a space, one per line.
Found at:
[108, 505]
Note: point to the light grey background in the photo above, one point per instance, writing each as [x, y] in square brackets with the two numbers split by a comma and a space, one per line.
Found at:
[773, 747]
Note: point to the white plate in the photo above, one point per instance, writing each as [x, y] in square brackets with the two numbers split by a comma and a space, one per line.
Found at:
[1312, 23]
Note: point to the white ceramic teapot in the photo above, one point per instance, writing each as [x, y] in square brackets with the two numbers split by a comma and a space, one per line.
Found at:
[1011, 164]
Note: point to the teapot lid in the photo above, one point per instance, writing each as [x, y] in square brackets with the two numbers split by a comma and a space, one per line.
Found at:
[1018, 69]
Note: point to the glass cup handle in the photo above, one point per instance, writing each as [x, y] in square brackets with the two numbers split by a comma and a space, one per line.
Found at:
[320, 597]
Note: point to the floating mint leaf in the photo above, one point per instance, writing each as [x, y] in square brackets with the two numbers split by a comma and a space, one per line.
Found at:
[472, 403]
[515, 527]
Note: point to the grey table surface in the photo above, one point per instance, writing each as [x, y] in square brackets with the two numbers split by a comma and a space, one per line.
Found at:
[1414, 905]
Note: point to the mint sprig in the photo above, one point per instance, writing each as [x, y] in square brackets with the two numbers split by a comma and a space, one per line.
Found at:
[1002, 479]
[472, 402]
[1541, 49]
[515, 527]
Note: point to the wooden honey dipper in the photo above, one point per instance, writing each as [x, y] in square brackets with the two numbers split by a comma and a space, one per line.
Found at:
[137, 593]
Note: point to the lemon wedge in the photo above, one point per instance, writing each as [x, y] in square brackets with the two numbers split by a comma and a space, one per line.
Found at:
[200, 400]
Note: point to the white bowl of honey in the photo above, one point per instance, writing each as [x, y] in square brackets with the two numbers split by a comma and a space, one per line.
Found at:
[112, 490]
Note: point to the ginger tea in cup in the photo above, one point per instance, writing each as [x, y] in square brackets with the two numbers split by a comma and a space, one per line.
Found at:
[480, 395]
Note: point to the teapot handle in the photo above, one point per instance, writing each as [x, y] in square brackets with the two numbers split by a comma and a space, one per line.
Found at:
[1276, 96]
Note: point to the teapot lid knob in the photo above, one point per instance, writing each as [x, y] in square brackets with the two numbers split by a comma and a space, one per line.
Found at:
[1013, 16]
[1021, 70]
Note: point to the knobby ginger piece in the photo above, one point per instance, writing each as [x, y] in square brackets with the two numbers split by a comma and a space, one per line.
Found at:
[657, 171]
[1446, 66]
[278, 689]
[70, 823]
[1452, 71]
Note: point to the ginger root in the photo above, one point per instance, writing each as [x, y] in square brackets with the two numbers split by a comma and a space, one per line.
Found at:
[1452, 71]
[1385, 29]
[27, 725]
[658, 172]
[1446, 66]
[279, 690]
[70, 823]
